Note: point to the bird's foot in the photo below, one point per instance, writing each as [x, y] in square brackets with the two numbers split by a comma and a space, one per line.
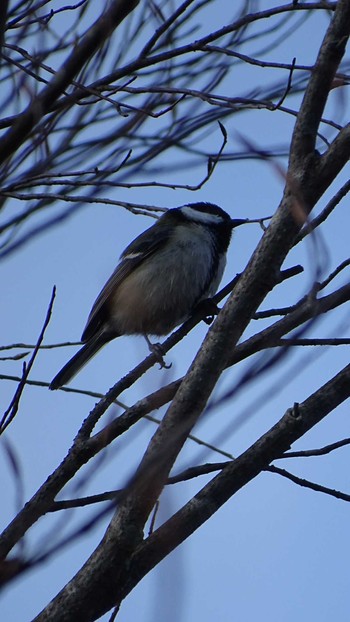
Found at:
[158, 351]
[208, 308]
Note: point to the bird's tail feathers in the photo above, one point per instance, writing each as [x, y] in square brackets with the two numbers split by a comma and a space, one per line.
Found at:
[77, 362]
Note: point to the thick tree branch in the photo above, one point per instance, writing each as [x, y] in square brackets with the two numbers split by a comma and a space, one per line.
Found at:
[314, 101]
[309, 309]
[295, 423]
[3, 18]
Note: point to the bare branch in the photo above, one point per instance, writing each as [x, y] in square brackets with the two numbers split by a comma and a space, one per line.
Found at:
[270, 446]
[86, 47]
[304, 483]
[12, 410]
[318, 220]
[322, 451]
[320, 84]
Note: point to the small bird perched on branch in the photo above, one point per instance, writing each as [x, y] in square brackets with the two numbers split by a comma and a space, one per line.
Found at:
[161, 277]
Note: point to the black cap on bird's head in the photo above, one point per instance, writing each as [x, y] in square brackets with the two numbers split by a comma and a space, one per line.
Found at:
[209, 214]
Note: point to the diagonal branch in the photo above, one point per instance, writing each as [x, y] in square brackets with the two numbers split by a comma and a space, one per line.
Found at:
[11, 411]
[320, 84]
[305, 483]
[294, 424]
[94, 38]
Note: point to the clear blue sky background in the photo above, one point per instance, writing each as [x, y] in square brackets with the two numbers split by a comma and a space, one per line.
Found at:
[275, 551]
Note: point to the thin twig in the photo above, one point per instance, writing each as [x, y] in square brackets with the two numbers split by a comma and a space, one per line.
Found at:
[12, 409]
[337, 494]
[322, 451]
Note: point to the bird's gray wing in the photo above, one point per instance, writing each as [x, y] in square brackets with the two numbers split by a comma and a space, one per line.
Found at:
[145, 245]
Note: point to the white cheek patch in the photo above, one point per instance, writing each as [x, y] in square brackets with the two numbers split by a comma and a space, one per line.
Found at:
[204, 217]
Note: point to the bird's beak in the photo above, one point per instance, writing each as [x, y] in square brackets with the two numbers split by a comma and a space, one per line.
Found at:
[236, 222]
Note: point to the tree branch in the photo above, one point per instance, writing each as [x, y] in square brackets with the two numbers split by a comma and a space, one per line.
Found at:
[293, 425]
[305, 483]
[93, 39]
[330, 55]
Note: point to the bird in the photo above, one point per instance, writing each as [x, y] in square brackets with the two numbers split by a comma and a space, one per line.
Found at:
[161, 277]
